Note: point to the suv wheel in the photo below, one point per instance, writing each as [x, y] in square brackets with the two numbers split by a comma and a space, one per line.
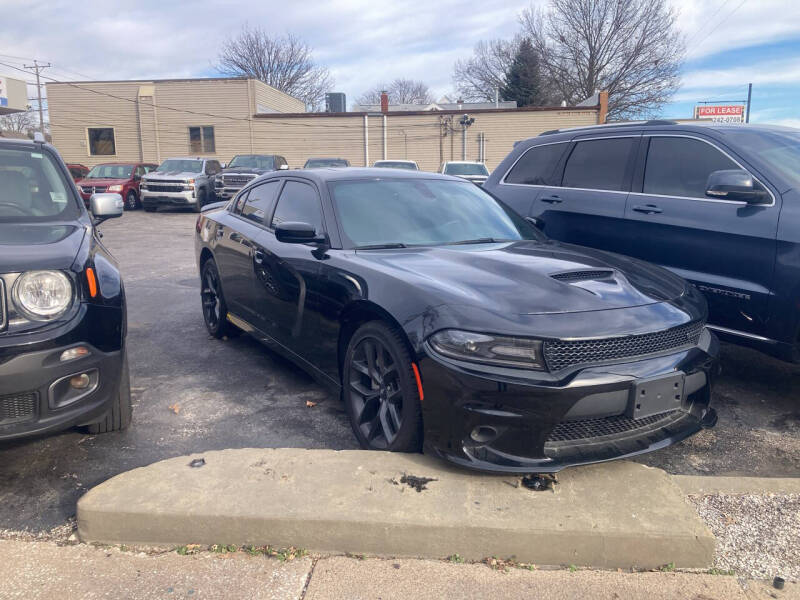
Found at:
[131, 203]
[201, 200]
[120, 412]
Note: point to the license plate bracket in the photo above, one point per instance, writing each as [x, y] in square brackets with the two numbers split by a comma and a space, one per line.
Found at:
[656, 395]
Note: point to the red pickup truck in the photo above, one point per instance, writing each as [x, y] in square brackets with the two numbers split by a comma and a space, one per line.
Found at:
[117, 178]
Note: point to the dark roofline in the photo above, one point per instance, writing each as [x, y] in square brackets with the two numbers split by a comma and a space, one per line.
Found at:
[184, 79]
[400, 113]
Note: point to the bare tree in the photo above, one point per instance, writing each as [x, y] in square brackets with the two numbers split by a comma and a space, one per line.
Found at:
[285, 63]
[630, 48]
[19, 122]
[476, 78]
[400, 91]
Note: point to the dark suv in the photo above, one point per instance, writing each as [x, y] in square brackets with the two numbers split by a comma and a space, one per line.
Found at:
[717, 204]
[62, 302]
[242, 169]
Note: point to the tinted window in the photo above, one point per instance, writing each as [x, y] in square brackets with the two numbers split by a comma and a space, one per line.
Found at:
[260, 201]
[681, 166]
[599, 164]
[537, 166]
[252, 161]
[465, 169]
[299, 203]
[422, 212]
[110, 172]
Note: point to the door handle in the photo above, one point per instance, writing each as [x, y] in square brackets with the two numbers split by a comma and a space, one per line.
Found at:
[648, 209]
[258, 257]
[552, 199]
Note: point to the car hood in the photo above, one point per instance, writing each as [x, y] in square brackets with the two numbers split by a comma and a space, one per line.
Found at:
[244, 170]
[474, 177]
[26, 246]
[517, 277]
[170, 175]
[101, 182]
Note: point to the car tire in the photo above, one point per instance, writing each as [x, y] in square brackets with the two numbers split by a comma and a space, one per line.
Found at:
[121, 411]
[215, 310]
[380, 393]
[201, 200]
[131, 202]
[150, 208]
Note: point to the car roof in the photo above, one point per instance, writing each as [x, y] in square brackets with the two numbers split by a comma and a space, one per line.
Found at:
[660, 125]
[397, 160]
[462, 162]
[326, 174]
[187, 158]
[325, 158]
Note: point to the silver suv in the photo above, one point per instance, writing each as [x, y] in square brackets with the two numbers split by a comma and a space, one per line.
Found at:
[187, 181]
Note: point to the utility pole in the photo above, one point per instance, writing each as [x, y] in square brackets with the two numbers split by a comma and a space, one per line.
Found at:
[749, 94]
[37, 68]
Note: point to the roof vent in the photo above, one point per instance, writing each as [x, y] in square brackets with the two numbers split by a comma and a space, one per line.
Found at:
[587, 275]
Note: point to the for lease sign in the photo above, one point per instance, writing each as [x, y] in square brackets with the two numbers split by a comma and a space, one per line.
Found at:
[722, 113]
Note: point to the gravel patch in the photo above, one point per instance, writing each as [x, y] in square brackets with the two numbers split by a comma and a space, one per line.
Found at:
[758, 536]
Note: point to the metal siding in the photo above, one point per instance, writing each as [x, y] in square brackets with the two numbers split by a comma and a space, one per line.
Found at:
[268, 96]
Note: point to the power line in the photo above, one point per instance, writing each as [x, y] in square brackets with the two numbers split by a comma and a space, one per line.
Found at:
[725, 18]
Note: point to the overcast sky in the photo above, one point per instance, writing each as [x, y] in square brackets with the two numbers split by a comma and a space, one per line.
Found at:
[730, 42]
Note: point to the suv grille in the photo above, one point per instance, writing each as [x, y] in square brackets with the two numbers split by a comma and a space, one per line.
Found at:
[237, 180]
[15, 408]
[560, 354]
[573, 276]
[568, 431]
[169, 187]
[93, 189]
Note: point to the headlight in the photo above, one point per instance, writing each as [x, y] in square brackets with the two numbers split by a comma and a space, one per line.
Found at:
[42, 295]
[114, 188]
[497, 350]
[143, 185]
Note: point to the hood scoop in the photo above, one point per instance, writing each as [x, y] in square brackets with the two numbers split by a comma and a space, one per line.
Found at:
[583, 275]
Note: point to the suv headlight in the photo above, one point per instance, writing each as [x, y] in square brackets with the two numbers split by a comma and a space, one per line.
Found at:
[114, 188]
[42, 295]
[503, 351]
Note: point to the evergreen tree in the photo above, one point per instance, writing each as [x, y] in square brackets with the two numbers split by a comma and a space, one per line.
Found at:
[524, 81]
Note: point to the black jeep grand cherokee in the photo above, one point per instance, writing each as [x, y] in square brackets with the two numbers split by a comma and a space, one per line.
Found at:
[62, 303]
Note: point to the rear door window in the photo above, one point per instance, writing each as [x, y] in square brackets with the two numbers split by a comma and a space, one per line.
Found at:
[538, 165]
[600, 164]
[260, 201]
[679, 166]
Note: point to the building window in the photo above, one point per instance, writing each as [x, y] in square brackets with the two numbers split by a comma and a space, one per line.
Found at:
[201, 140]
[101, 141]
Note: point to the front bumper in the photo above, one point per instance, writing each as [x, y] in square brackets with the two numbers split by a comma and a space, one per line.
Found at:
[35, 395]
[225, 193]
[514, 421]
[182, 198]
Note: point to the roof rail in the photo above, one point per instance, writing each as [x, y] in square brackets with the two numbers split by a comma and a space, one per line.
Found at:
[621, 124]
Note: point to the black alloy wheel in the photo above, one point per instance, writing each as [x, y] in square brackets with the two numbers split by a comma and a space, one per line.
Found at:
[215, 311]
[380, 390]
[130, 201]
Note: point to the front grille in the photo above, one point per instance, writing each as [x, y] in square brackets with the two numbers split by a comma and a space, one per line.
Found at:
[560, 354]
[568, 431]
[573, 276]
[15, 408]
[152, 187]
[94, 189]
[237, 180]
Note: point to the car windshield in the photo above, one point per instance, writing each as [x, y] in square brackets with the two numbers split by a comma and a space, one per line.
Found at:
[317, 163]
[252, 161]
[395, 164]
[423, 212]
[779, 149]
[33, 188]
[181, 165]
[465, 169]
[110, 172]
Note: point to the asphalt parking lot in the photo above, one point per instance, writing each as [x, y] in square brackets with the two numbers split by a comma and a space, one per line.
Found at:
[192, 393]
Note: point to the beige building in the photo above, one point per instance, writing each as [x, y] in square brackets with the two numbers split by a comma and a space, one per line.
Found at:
[95, 122]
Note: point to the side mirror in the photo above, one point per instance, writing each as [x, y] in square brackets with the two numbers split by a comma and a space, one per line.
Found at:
[106, 206]
[283, 167]
[298, 233]
[735, 184]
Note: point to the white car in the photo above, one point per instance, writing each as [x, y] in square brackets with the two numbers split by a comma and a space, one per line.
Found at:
[409, 165]
[476, 172]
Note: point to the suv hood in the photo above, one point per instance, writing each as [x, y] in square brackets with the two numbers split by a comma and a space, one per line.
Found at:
[27, 246]
[101, 182]
[517, 277]
[156, 176]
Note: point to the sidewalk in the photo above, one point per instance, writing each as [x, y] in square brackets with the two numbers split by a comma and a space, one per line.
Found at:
[46, 570]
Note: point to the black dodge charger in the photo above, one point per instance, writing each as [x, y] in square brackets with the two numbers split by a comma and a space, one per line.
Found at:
[448, 322]
[62, 304]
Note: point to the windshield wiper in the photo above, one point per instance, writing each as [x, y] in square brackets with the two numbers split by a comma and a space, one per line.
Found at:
[381, 246]
[486, 240]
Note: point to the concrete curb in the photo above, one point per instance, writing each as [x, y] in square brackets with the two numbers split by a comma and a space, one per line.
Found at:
[699, 484]
[618, 514]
